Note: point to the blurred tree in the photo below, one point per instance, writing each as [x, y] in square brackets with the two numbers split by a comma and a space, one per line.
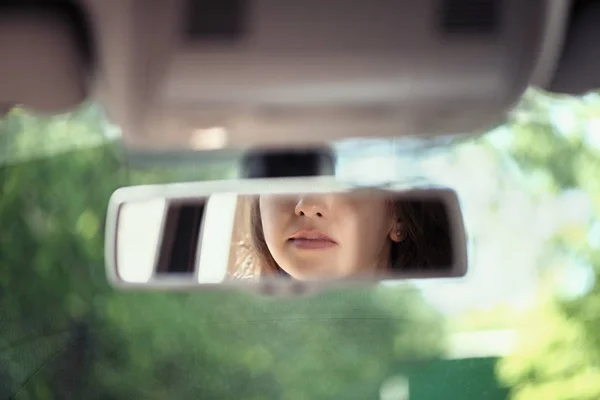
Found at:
[64, 333]
[557, 356]
[500, 316]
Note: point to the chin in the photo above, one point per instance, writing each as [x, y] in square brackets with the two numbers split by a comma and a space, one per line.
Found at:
[312, 274]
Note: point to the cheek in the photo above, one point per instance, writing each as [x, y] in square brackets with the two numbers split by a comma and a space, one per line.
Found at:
[366, 228]
[370, 216]
[273, 218]
[268, 218]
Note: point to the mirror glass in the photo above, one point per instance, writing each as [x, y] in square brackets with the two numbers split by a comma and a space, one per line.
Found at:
[317, 236]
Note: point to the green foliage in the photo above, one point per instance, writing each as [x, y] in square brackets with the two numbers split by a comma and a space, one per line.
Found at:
[558, 351]
[501, 316]
[553, 359]
[64, 333]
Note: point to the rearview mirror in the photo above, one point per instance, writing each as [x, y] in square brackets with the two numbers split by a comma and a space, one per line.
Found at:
[269, 230]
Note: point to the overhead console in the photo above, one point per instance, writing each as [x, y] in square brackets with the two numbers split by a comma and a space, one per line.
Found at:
[209, 74]
[214, 74]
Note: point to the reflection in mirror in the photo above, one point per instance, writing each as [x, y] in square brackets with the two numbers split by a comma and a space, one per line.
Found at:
[371, 234]
[341, 235]
[216, 237]
[139, 228]
[162, 239]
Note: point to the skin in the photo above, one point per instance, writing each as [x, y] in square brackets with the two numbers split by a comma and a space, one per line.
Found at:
[361, 228]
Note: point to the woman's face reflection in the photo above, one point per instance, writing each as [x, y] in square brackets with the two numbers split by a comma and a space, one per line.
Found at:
[328, 236]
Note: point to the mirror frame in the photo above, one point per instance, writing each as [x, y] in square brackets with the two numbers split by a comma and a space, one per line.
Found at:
[189, 191]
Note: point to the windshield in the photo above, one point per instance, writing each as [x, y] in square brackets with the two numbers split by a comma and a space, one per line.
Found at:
[522, 324]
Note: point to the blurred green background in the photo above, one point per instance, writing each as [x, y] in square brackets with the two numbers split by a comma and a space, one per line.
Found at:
[66, 334]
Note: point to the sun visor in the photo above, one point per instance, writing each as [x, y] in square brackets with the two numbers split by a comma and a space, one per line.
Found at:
[42, 66]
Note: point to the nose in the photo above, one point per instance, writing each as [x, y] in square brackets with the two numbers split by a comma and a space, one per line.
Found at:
[310, 206]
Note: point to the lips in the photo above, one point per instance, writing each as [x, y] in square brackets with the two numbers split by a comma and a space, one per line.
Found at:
[311, 240]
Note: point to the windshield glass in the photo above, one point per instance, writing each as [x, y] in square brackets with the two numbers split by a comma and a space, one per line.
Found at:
[522, 324]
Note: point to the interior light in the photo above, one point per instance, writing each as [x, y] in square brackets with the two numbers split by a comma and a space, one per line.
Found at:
[209, 138]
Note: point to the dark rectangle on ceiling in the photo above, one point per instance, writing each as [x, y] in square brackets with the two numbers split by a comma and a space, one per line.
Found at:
[220, 20]
[470, 16]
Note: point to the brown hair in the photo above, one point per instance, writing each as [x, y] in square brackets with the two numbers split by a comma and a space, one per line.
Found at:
[426, 244]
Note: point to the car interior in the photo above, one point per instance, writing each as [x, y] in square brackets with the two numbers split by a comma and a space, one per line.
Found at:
[328, 250]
